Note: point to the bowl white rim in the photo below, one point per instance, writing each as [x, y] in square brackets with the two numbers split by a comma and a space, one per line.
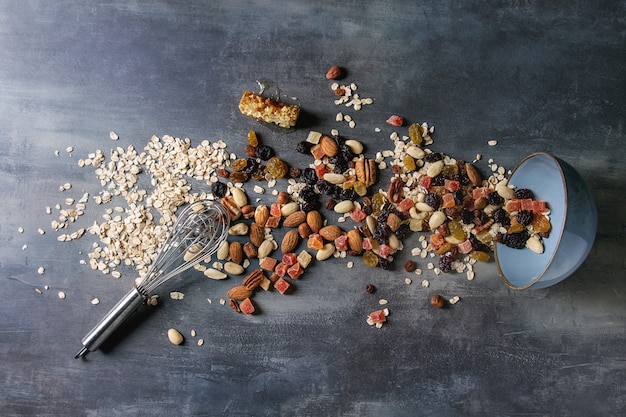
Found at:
[558, 243]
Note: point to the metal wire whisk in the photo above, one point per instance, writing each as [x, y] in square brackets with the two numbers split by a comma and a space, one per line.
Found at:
[199, 230]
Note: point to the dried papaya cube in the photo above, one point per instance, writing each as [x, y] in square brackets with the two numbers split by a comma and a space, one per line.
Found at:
[273, 221]
[341, 243]
[320, 170]
[268, 263]
[448, 200]
[281, 285]
[276, 209]
[539, 206]
[451, 185]
[378, 316]
[290, 258]
[295, 271]
[357, 215]
[406, 204]
[436, 240]
[317, 151]
[513, 205]
[246, 306]
[527, 204]
[281, 269]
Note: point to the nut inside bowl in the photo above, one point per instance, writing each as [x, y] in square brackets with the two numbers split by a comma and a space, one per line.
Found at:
[574, 220]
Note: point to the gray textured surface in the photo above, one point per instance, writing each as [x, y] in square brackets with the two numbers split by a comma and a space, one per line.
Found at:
[536, 76]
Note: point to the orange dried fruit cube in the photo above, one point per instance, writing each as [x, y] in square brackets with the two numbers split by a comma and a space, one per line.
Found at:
[315, 241]
[281, 285]
[246, 306]
[436, 240]
[448, 201]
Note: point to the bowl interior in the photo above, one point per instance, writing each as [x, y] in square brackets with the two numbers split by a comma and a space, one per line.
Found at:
[542, 174]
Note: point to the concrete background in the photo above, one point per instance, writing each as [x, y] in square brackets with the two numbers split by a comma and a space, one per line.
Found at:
[536, 76]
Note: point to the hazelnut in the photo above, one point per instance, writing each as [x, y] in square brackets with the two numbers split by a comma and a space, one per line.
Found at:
[437, 301]
[283, 197]
[335, 72]
[409, 266]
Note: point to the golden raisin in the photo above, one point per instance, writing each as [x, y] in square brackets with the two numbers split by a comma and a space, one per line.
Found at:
[276, 167]
[252, 138]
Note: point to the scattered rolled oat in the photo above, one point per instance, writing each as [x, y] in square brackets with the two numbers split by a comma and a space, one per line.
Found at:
[41, 270]
[61, 295]
[492, 143]
[113, 135]
[95, 301]
[175, 295]
[200, 342]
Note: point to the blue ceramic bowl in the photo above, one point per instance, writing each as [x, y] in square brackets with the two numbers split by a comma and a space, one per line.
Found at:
[574, 219]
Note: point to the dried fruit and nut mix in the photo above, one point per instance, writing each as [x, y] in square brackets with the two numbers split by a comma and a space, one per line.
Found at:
[462, 213]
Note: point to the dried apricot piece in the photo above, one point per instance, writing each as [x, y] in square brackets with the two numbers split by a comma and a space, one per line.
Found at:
[480, 255]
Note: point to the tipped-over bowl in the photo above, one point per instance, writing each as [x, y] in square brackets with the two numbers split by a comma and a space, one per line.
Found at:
[574, 220]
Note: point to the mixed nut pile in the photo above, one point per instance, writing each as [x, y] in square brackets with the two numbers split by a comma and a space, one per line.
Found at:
[462, 213]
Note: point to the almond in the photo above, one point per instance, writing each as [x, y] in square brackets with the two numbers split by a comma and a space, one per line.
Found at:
[257, 234]
[295, 219]
[239, 293]
[261, 214]
[473, 174]
[355, 241]
[330, 232]
[329, 146]
[314, 220]
[290, 241]
[236, 252]
[304, 230]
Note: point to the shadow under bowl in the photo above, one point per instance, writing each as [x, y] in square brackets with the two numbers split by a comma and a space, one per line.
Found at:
[574, 220]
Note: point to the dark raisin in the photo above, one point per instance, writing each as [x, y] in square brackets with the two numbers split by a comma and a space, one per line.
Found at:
[438, 180]
[384, 263]
[458, 197]
[222, 173]
[445, 263]
[304, 147]
[340, 166]
[370, 288]
[334, 191]
[251, 166]
[478, 245]
[522, 193]
[467, 217]
[348, 194]
[310, 205]
[264, 152]
[218, 189]
[524, 217]
[495, 199]
[308, 193]
[323, 186]
[433, 157]
[403, 231]
[501, 216]
[309, 176]
[396, 169]
[516, 240]
[433, 200]
[330, 204]
[346, 153]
